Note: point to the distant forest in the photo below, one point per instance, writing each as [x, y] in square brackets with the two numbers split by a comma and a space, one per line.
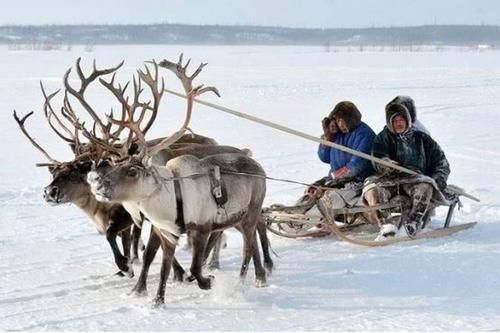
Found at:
[241, 35]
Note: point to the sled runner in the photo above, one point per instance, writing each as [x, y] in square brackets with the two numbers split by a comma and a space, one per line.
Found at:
[349, 224]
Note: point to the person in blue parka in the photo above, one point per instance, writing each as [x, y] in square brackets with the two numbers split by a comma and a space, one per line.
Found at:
[347, 172]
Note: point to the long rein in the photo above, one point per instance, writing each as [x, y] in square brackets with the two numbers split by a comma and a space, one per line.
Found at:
[229, 172]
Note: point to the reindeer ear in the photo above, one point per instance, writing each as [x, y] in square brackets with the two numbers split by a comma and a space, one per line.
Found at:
[73, 147]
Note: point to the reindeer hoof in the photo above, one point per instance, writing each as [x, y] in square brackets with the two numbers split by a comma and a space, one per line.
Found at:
[123, 263]
[158, 301]
[260, 283]
[206, 283]
[119, 273]
[139, 290]
[269, 265]
[139, 293]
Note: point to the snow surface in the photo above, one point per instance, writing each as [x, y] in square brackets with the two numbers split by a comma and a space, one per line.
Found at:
[56, 271]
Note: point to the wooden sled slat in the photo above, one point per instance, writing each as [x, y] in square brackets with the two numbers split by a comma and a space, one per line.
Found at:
[369, 239]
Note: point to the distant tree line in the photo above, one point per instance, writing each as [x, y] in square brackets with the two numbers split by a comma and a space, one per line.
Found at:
[460, 35]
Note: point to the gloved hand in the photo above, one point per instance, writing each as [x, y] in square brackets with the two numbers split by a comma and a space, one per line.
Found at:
[310, 190]
[329, 129]
[385, 170]
[441, 183]
[313, 188]
[325, 123]
[341, 173]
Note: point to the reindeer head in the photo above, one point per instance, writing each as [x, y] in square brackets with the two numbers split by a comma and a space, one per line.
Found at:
[68, 182]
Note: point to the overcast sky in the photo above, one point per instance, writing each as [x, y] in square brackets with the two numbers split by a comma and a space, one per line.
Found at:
[289, 13]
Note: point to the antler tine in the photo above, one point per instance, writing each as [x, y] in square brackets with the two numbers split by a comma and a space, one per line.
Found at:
[185, 66]
[201, 90]
[157, 93]
[198, 70]
[20, 122]
[49, 113]
[77, 144]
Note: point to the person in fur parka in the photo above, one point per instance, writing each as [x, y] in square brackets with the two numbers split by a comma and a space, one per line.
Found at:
[409, 104]
[400, 143]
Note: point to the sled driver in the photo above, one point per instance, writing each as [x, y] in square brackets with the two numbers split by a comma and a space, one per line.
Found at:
[413, 149]
[347, 172]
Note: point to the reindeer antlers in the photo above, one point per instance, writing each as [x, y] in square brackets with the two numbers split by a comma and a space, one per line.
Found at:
[134, 111]
[187, 82]
[20, 122]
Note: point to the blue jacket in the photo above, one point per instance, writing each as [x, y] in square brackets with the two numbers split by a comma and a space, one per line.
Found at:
[361, 139]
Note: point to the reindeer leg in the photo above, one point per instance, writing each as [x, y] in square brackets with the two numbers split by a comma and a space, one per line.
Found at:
[125, 236]
[248, 250]
[199, 242]
[265, 244]
[117, 225]
[136, 237]
[140, 287]
[214, 245]
[260, 272]
[168, 254]
[147, 258]
[179, 272]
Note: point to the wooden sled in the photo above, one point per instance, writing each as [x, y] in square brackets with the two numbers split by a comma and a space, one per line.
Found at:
[349, 225]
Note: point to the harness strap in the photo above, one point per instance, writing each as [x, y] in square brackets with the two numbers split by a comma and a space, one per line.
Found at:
[218, 189]
[179, 221]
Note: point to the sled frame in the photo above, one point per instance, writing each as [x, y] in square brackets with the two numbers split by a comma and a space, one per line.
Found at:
[291, 222]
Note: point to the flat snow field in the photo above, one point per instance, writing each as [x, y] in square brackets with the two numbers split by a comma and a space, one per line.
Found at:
[56, 271]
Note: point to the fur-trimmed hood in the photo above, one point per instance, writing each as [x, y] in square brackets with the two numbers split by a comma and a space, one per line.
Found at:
[347, 111]
[408, 103]
[393, 110]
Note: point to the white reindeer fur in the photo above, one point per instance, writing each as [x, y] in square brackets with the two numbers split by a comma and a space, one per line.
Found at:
[154, 195]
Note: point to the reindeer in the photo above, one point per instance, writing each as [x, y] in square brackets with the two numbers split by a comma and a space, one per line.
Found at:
[178, 197]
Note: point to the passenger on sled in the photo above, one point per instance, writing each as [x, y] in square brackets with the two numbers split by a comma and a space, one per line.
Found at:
[409, 104]
[402, 144]
[347, 172]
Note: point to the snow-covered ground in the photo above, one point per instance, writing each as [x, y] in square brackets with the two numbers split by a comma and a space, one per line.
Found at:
[56, 272]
